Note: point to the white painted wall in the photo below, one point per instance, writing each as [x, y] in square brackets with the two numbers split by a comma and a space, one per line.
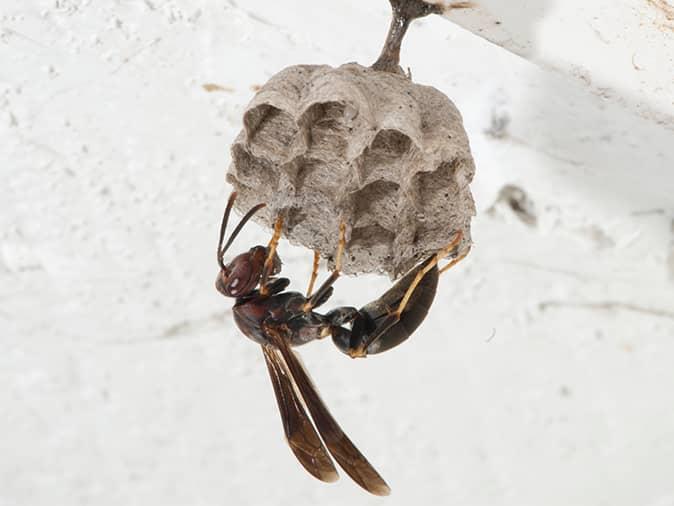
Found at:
[622, 50]
[123, 378]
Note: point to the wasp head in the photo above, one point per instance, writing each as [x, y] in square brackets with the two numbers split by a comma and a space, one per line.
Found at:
[241, 275]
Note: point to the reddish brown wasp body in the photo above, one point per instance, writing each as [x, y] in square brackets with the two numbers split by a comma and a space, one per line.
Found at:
[278, 319]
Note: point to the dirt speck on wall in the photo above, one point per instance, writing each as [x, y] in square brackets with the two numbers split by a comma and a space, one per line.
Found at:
[665, 12]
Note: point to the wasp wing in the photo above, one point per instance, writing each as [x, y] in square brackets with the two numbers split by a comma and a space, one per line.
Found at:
[340, 446]
[299, 431]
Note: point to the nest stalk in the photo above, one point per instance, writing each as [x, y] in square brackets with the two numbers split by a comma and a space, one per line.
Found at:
[404, 12]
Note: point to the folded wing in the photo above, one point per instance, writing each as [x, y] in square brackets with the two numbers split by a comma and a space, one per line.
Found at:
[299, 431]
[342, 449]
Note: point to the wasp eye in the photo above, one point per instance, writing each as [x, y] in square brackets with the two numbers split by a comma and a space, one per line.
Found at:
[232, 285]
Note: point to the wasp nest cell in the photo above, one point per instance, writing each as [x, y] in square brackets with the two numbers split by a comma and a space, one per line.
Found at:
[388, 157]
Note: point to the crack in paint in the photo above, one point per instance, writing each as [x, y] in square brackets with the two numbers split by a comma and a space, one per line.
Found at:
[608, 305]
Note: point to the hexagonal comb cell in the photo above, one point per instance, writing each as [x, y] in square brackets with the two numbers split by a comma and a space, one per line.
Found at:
[435, 192]
[326, 130]
[386, 158]
[316, 175]
[377, 203]
[271, 131]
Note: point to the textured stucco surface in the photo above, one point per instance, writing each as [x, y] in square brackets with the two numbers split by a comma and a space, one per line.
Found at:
[543, 375]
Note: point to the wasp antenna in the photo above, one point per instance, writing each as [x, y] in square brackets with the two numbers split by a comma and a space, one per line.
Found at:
[238, 228]
[223, 227]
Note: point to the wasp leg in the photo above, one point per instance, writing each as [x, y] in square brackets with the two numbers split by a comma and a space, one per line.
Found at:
[386, 328]
[378, 327]
[325, 290]
[314, 273]
[268, 268]
[277, 285]
[455, 261]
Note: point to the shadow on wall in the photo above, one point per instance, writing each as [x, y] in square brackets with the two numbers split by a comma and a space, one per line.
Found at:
[616, 156]
[611, 154]
[498, 21]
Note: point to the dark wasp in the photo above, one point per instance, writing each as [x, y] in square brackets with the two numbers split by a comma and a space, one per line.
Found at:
[278, 320]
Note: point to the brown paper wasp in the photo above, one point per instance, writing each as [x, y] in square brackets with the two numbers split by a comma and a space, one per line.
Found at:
[278, 320]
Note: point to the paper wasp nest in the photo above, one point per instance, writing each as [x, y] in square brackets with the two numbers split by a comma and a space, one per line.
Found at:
[363, 145]
[387, 156]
